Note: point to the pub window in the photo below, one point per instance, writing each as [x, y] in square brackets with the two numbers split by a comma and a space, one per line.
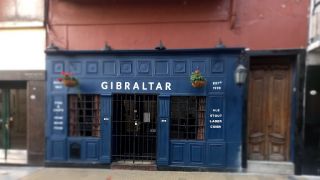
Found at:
[187, 117]
[84, 115]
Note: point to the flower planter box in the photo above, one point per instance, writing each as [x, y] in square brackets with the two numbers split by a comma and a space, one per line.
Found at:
[198, 84]
[70, 82]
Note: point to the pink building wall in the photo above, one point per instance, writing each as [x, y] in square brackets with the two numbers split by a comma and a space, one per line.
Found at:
[141, 24]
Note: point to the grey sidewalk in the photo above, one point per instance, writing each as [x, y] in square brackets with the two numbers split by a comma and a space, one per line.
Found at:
[41, 173]
[16, 172]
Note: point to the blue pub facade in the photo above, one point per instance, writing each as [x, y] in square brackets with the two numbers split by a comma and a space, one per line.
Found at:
[139, 106]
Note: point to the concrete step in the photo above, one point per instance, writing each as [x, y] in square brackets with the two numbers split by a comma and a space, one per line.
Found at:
[270, 167]
[14, 156]
[137, 165]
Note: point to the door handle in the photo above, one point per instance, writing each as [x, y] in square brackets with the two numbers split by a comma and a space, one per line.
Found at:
[136, 126]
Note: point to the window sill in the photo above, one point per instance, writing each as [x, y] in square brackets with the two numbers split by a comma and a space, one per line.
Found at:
[21, 24]
[315, 46]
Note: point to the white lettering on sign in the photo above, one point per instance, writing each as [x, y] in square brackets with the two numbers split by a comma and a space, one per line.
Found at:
[118, 86]
[58, 117]
[58, 102]
[168, 85]
[151, 85]
[159, 87]
[57, 85]
[126, 86]
[135, 86]
[217, 85]
[216, 121]
[60, 128]
[58, 122]
[58, 110]
[215, 126]
[144, 86]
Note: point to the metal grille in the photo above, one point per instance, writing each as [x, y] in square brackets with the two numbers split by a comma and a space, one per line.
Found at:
[134, 127]
[84, 115]
[187, 117]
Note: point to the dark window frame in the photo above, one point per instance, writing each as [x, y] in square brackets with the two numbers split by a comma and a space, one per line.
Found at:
[187, 117]
[84, 115]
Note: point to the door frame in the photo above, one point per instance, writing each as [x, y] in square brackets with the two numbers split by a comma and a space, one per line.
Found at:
[5, 120]
[7, 140]
[156, 122]
[297, 58]
[35, 96]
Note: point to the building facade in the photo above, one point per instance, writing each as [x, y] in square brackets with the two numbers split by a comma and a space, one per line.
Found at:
[139, 107]
[273, 32]
[22, 82]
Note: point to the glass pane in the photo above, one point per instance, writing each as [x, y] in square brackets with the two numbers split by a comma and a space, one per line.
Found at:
[187, 117]
[84, 115]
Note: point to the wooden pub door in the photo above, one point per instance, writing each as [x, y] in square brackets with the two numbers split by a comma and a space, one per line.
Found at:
[269, 99]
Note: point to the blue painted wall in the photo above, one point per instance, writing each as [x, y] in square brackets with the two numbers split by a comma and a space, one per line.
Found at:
[165, 73]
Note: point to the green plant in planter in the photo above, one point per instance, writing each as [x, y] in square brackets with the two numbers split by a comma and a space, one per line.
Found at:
[197, 79]
[68, 79]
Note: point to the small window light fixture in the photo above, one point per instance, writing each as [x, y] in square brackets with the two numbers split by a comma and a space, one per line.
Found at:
[240, 74]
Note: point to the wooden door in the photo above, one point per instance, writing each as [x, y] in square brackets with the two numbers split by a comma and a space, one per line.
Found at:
[269, 97]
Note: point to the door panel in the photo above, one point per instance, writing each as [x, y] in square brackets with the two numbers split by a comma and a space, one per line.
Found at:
[5, 120]
[13, 125]
[278, 122]
[269, 112]
[256, 128]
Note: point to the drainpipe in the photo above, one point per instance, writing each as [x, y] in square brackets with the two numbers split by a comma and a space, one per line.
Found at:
[232, 14]
[46, 19]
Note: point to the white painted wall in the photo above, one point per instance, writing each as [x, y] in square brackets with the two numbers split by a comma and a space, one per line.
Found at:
[22, 49]
[313, 58]
[314, 21]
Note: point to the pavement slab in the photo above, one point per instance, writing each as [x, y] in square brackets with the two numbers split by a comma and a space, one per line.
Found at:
[53, 173]
[16, 172]
[114, 174]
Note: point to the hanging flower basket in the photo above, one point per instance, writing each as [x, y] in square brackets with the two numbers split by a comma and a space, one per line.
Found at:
[197, 80]
[68, 80]
[198, 84]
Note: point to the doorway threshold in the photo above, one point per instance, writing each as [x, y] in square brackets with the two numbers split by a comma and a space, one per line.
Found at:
[270, 167]
[14, 156]
[134, 165]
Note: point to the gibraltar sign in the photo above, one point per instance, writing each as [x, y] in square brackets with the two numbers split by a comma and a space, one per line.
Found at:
[128, 86]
